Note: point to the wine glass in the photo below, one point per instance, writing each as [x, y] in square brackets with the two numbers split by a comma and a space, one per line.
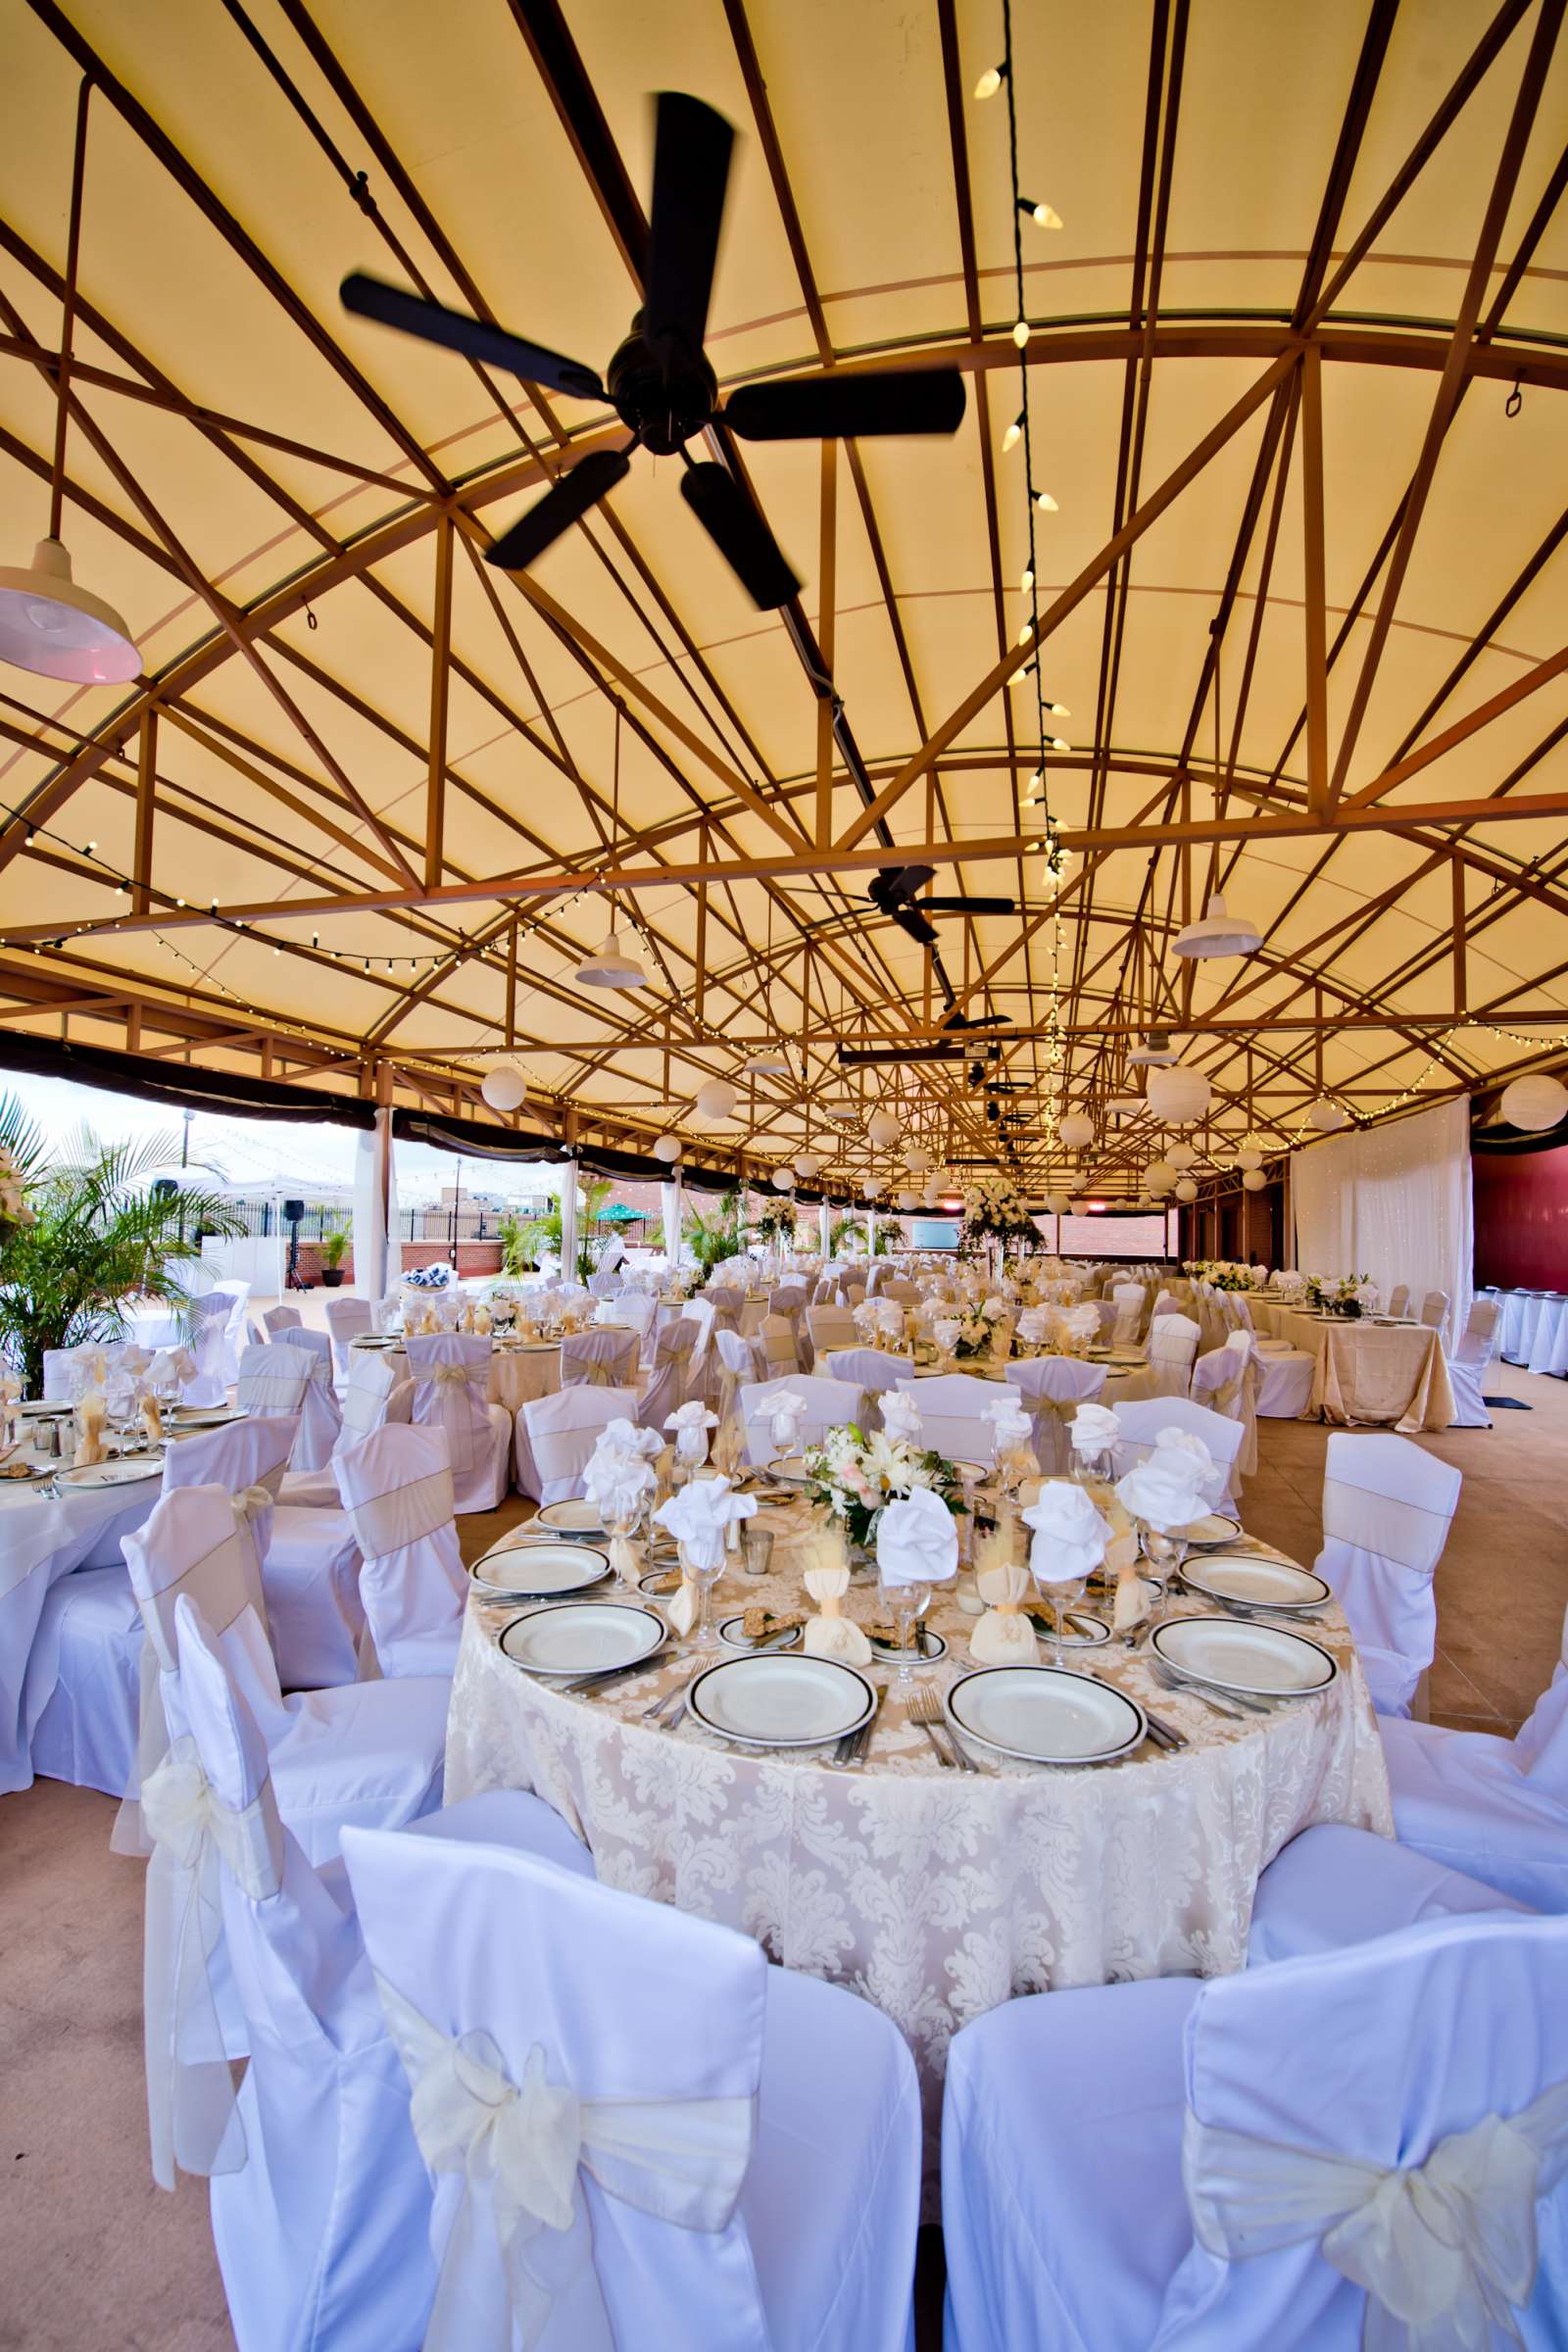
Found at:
[703, 1638]
[1163, 1549]
[906, 1605]
[1061, 1591]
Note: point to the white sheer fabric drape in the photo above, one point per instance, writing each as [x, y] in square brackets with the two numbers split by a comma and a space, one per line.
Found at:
[378, 1255]
[1393, 1202]
[670, 1201]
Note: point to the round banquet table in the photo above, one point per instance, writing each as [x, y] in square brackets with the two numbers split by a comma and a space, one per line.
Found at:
[519, 1371]
[1368, 1374]
[933, 1893]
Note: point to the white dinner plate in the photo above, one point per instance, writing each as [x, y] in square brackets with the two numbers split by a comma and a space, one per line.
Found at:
[40, 1408]
[790, 1469]
[1258, 1583]
[125, 1473]
[538, 1571]
[1262, 1660]
[576, 1518]
[204, 1416]
[1076, 1626]
[1044, 1714]
[579, 1637]
[932, 1646]
[377, 1343]
[733, 1636]
[780, 1702]
[1217, 1528]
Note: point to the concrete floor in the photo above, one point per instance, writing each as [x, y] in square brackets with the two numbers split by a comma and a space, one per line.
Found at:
[94, 2259]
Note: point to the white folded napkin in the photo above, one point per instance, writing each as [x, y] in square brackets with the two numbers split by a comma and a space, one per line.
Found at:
[901, 1417]
[691, 1423]
[1210, 1473]
[1166, 1491]
[945, 1331]
[1069, 1535]
[1083, 1322]
[1095, 1429]
[916, 1541]
[1034, 1324]
[1010, 1421]
[699, 1516]
[785, 1416]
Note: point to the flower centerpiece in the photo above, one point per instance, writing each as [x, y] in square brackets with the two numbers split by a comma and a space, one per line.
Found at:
[853, 1478]
[977, 1327]
[994, 1210]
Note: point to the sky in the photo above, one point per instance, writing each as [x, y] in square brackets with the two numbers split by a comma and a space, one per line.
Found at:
[261, 1152]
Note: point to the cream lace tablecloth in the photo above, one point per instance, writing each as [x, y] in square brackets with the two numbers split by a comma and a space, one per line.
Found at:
[935, 1893]
[518, 1374]
[1368, 1374]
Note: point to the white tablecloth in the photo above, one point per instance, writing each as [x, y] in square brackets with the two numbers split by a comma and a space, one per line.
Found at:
[1369, 1375]
[518, 1375]
[934, 1893]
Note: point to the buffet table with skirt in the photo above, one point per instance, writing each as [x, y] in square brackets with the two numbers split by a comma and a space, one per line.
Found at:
[1369, 1375]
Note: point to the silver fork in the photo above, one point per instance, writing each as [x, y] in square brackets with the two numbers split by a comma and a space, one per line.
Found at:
[925, 1708]
[1184, 1689]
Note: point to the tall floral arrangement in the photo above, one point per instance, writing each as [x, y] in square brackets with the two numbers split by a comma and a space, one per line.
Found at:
[994, 1210]
[774, 1226]
[855, 1477]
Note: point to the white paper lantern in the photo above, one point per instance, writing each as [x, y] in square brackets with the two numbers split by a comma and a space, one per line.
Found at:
[1159, 1175]
[1057, 1205]
[1326, 1115]
[1254, 1180]
[1180, 1155]
[783, 1180]
[1250, 1156]
[933, 1194]
[1187, 1190]
[870, 1188]
[505, 1088]
[716, 1100]
[667, 1148]
[807, 1166]
[918, 1159]
[1177, 1095]
[883, 1129]
[1076, 1130]
[1535, 1103]
[909, 1202]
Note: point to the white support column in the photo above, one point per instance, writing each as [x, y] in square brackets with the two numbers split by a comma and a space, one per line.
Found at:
[377, 1254]
[824, 1228]
[568, 1222]
[670, 1202]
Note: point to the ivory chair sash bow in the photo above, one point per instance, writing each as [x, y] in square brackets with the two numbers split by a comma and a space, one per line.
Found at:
[605, 1358]
[451, 1373]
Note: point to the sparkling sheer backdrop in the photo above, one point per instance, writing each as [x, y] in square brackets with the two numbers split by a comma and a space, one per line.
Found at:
[1393, 1204]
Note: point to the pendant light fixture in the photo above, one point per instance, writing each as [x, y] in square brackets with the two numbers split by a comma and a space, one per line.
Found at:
[608, 966]
[1217, 933]
[48, 623]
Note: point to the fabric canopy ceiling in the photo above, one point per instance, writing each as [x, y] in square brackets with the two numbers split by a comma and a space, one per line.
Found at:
[1295, 373]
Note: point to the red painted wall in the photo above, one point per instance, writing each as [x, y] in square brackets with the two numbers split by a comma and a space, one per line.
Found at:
[1521, 1212]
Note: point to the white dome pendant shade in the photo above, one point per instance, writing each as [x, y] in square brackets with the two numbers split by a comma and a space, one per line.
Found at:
[1218, 934]
[1155, 1048]
[667, 1148]
[770, 1061]
[505, 1088]
[607, 967]
[1535, 1103]
[50, 625]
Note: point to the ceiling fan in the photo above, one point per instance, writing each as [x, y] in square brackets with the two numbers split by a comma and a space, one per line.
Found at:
[660, 380]
[893, 894]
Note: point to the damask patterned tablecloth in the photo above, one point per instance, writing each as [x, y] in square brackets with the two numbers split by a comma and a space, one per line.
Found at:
[935, 1893]
[1369, 1375]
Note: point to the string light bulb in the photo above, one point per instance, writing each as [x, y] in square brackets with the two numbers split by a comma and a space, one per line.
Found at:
[991, 80]
[1026, 632]
[1058, 710]
[1020, 334]
[1028, 579]
[1013, 434]
[1044, 215]
[1059, 743]
[1045, 501]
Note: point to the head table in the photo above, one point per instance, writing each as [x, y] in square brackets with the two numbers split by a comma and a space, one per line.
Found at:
[935, 1893]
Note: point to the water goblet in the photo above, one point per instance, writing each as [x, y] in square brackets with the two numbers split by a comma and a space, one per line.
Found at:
[1061, 1592]
[1163, 1550]
[704, 1637]
[906, 1605]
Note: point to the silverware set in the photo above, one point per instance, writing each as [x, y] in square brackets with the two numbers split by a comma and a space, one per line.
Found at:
[923, 1705]
[852, 1748]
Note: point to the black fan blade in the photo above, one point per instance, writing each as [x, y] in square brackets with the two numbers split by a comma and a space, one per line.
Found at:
[492, 346]
[565, 503]
[912, 920]
[826, 408]
[691, 172]
[731, 521]
[962, 905]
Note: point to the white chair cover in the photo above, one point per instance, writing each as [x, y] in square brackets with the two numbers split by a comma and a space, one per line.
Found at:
[671, 1379]
[739, 1360]
[1128, 1299]
[954, 1415]
[397, 1489]
[776, 1339]
[347, 1319]
[1434, 1309]
[1549, 1350]
[704, 1380]
[829, 1327]
[1227, 1380]
[829, 1404]
[278, 1376]
[209, 1345]
[1142, 1421]
[1388, 1506]
[451, 1372]
[1241, 2156]
[1334, 1886]
[1494, 1808]
[1468, 1364]
[1399, 1299]
[604, 1358]
[1053, 1388]
[555, 1435]
[1172, 1346]
[871, 1369]
[721, 2154]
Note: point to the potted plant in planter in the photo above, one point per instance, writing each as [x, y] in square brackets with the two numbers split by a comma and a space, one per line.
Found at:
[334, 1249]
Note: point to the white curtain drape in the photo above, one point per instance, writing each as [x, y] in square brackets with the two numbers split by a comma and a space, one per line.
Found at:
[377, 1254]
[1393, 1204]
[824, 1229]
[569, 1223]
[670, 1201]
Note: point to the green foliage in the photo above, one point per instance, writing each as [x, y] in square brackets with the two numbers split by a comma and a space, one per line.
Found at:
[525, 1241]
[776, 1225]
[852, 1228]
[100, 1235]
[335, 1246]
[716, 1233]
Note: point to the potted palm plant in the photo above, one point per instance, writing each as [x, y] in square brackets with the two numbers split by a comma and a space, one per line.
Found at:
[334, 1249]
[85, 1231]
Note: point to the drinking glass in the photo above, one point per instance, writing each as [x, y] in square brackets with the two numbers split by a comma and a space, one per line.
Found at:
[906, 1605]
[757, 1544]
[704, 1636]
[1164, 1552]
[1062, 1593]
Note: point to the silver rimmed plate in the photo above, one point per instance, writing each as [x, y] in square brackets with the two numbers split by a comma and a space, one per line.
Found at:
[732, 1633]
[582, 1637]
[127, 1472]
[576, 1518]
[1081, 1628]
[1217, 1528]
[204, 1416]
[1261, 1661]
[789, 1469]
[1255, 1581]
[780, 1702]
[540, 1571]
[1044, 1714]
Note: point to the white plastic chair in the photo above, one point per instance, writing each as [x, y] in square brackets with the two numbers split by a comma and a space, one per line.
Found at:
[451, 1372]
[787, 2219]
[1149, 2164]
[1494, 1808]
[829, 1405]
[1143, 1419]
[555, 1435]
[956, 1410]
[1053, 1387]
[1388, 1506]
[397, 1491]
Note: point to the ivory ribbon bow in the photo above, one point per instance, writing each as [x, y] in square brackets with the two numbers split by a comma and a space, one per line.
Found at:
[1445, 2251]
[1003, 1635]
[830, 1633]
[518, 2147]
[448, 1376]
[90, 1413]
[190, 2092]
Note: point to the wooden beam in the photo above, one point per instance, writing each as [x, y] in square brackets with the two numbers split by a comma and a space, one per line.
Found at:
[1542, 675]
[826, 633]
[146, 806]
[1313, 592]
[441, 647]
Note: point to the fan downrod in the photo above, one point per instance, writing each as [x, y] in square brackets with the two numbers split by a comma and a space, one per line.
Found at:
[664, 408]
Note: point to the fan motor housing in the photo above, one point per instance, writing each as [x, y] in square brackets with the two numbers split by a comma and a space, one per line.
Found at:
[663, 410]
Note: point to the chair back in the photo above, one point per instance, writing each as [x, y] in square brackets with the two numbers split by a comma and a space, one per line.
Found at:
[1308, 2080]
[246, 1458]
[677, 2020]
[274, 1377]
[210, 1316]
[727, 1305]
[1053, 1388]
[1480, 1334]
[451, 1372]
[605, 1282]
[347, 1320]
[604, 1358]
[831, 1326]
[901, 1291]
[829, 1405]
[1172, 1347]
[1388, 1506]
[1434, 1309]
[1399, 1299]
[276, 1320]
[787, 1298]
[555, 1435]
[375, 1394]
[1143, 1420]
[776, 1336]
[670, 1383]
[956, 1410]
[396, 1487]
[1226, 1380]
[871, 1369]
[1128, 1301]
[1540, 1743]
